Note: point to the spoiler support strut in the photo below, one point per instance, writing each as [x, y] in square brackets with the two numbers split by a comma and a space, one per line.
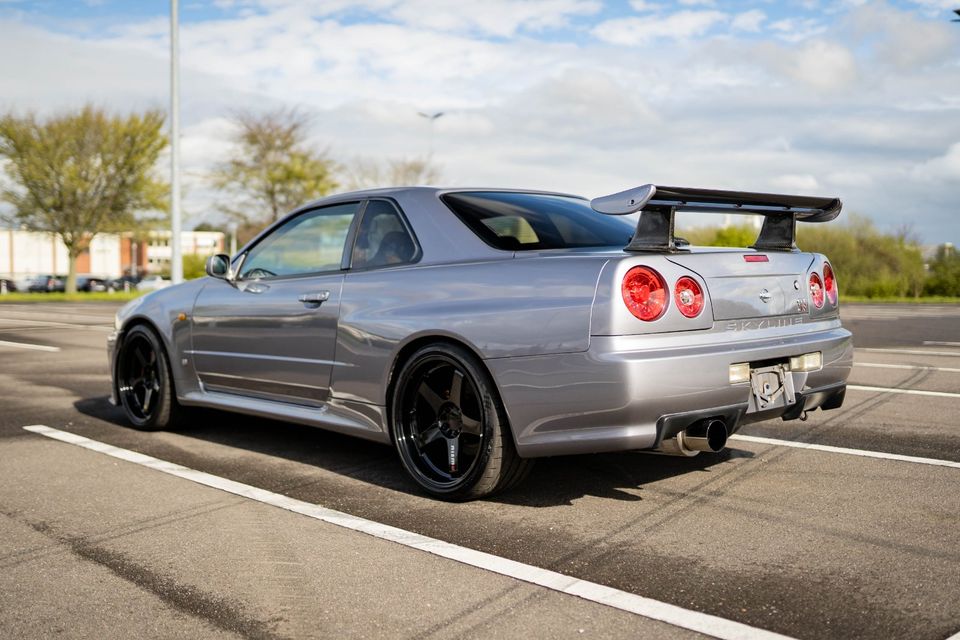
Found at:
[658, 206]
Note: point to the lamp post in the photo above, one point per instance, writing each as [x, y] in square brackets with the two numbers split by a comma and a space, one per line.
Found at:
[232, 228]
[432, 118]
[176, 254]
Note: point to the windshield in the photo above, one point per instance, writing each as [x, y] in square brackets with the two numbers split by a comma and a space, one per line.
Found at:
[532, 221]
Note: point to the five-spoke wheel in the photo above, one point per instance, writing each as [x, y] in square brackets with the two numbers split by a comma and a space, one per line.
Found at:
[143, 380]
[449, 427]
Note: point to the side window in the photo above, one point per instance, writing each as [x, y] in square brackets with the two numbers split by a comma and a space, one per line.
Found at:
[382, 239]
[310, 243]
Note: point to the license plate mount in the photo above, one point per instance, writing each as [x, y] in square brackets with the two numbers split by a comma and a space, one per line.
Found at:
[771, 388]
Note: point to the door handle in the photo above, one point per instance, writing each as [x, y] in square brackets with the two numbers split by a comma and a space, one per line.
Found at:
[317, 297]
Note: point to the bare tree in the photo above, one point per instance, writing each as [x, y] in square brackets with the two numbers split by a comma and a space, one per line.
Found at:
[365, 173]
[82, 173]
[274, 170]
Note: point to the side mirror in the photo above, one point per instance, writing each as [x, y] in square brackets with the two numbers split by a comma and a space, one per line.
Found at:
[218, 266]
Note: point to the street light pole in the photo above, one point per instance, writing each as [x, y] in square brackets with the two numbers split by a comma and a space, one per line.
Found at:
[176, 259]
[432, 117]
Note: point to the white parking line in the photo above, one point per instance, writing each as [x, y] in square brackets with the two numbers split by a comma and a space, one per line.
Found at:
[46, 323]
[24, 345]
[850, 452]
[914, 367]
[909, 392]
[936, 343]
[632, 603]
[911, 352]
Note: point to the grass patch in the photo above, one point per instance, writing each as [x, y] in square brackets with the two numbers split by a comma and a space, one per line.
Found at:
[103, 296]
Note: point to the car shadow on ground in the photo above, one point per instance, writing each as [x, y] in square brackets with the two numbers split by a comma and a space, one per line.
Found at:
[552, 481]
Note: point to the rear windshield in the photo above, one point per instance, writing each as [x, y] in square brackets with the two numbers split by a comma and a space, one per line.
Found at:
[531, 221]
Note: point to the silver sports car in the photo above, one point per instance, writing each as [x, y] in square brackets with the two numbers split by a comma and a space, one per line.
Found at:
[478, 329]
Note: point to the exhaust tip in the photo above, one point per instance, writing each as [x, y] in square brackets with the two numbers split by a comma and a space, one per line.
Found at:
[706, 435]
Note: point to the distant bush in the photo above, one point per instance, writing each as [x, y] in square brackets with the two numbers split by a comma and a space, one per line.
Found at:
[944, 277]
[194, 266]
[867, 262]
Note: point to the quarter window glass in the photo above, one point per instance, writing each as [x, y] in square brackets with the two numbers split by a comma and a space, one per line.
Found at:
[310, 243]
[382, 239]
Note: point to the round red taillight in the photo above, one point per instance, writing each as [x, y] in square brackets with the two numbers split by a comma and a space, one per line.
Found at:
[816, 290]
[688, 296]
[644, 293]
[829, 283]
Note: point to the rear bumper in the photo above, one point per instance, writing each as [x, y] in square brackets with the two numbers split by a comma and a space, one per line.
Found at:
[631, 392]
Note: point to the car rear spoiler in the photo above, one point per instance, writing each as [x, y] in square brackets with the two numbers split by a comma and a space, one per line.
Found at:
[658, 206]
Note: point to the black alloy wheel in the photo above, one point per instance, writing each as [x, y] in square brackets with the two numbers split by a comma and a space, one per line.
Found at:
[144, 381]
[449, 427]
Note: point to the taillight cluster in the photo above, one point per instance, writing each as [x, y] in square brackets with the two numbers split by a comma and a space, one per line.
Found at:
[829, 283]
[825, 288]
[645, 294]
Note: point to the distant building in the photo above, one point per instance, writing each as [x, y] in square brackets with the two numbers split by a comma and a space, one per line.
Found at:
[24, 254]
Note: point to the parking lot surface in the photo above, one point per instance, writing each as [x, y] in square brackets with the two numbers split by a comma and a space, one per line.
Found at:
[858, 538]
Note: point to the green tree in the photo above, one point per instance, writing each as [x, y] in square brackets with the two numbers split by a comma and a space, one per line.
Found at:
[273, 170]
[867, 262]
[732, 236]
[81, 173]
[194, 266]
[944, 277]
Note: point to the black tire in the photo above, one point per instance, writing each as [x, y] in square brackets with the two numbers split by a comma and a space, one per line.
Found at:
[452, 436]
[145, 383]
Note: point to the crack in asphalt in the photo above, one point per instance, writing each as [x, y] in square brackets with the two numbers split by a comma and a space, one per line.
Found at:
[218, 611]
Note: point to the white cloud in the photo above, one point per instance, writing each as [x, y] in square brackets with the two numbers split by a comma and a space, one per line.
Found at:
[855, 179]
[798, 29]
[936, 7]
[802, 183]
[495, 17]
[820, 64]
[749, 20]
[634, 31]
[945, 167]
[903, 40]
[502, 18]
[641, 6]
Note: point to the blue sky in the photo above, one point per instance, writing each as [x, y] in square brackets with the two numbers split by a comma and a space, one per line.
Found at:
[854, 98]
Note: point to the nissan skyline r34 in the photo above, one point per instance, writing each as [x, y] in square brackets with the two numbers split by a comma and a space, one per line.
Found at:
[476, 330]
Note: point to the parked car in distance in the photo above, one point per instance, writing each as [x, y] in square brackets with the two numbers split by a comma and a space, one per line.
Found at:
[123, 283]
[48, 284]
[475, 330]
[152, 283]
[91, 283]
[6, 284]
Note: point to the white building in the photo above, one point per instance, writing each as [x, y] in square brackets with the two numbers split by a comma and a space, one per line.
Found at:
[26, 254]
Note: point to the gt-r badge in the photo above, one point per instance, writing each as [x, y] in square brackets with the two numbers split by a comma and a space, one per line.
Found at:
[801, 305]
[765, 295]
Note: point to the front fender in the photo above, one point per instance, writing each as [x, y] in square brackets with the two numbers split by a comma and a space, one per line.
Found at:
[169, 313]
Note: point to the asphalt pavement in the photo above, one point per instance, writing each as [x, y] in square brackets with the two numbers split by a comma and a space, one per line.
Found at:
[857, 537]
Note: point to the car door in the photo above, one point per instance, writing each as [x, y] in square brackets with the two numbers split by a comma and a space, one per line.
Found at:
[270, 331]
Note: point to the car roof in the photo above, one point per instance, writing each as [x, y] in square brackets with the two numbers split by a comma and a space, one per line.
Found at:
[386, 192]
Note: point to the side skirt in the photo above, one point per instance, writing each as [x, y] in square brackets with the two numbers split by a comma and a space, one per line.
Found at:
[359, 419]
